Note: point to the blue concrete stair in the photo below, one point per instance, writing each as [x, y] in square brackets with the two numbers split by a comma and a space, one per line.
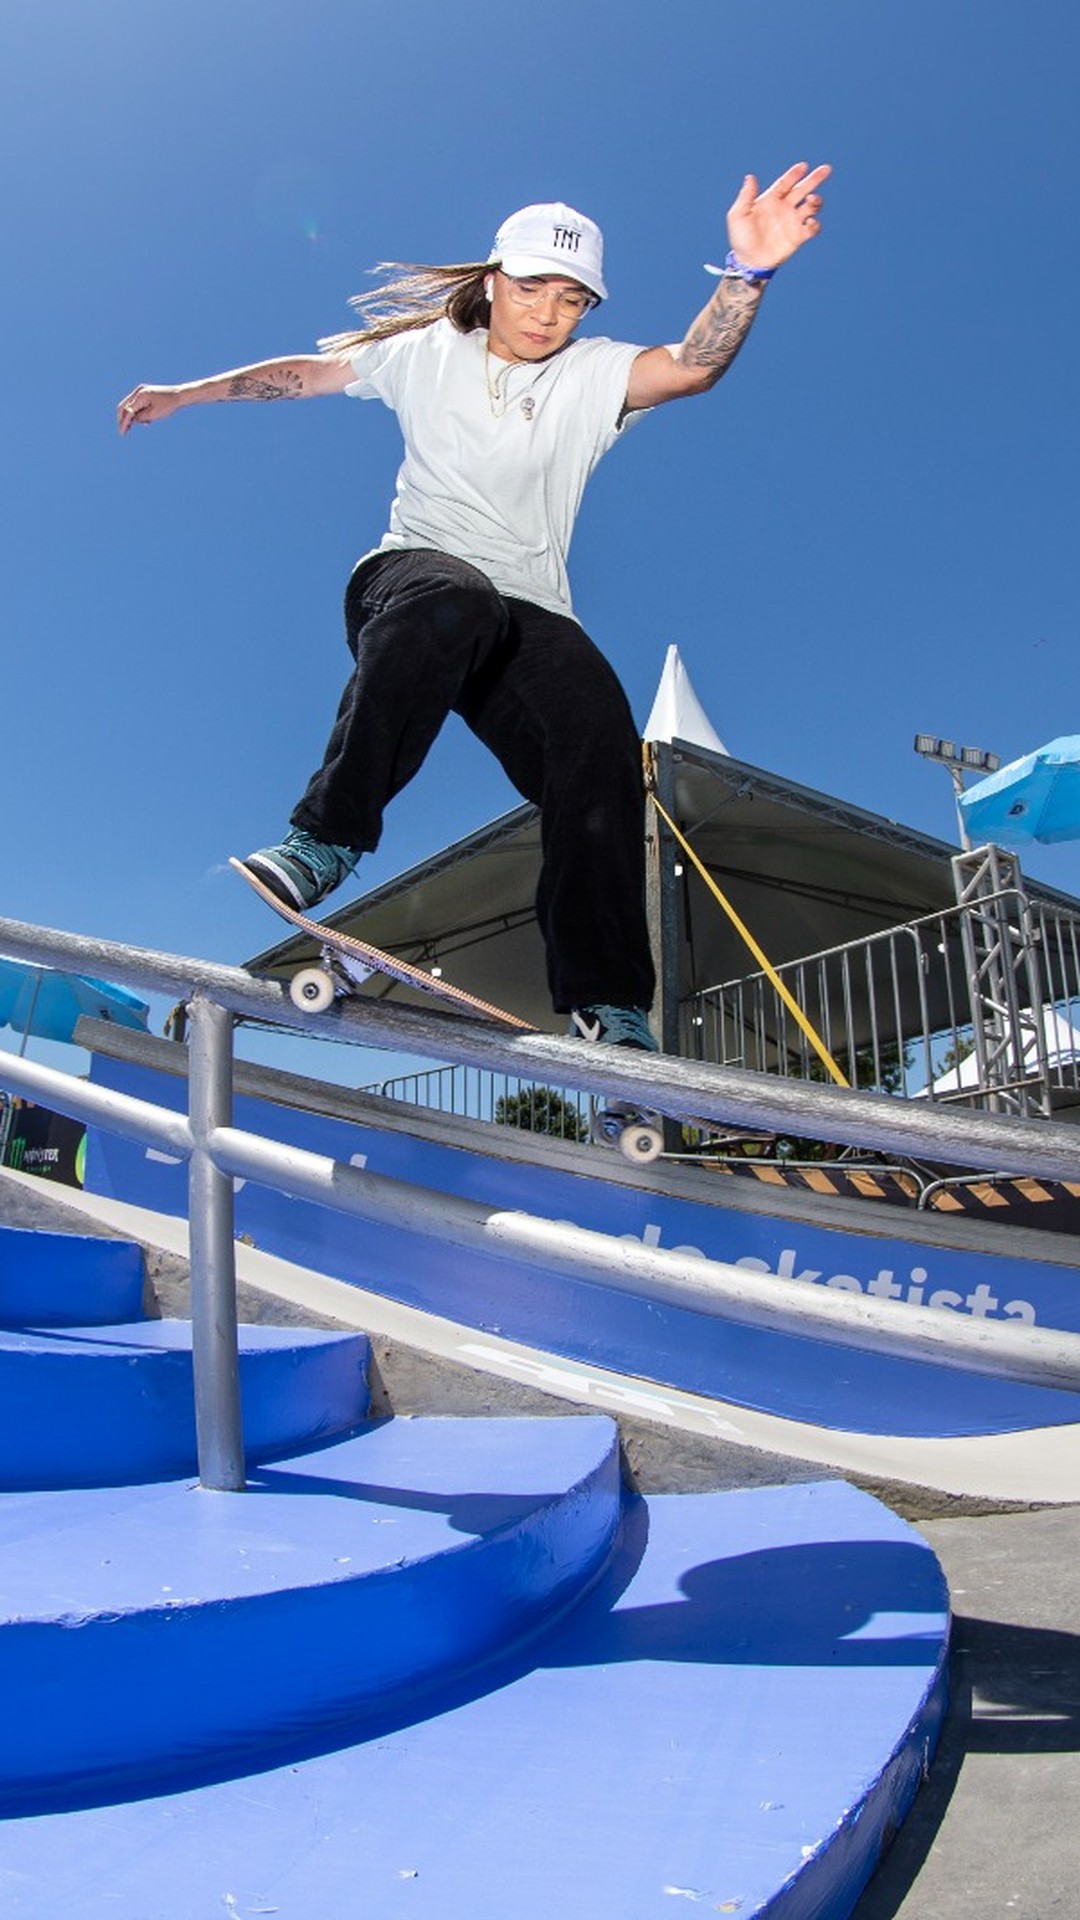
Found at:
[733, 1720]
[162, 1633]
[92, 1394]
[436, 1667]
[61, 1279]
[90, 1407]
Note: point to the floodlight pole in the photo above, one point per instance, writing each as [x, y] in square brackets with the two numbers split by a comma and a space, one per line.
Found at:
[956, 759]
[961, 823]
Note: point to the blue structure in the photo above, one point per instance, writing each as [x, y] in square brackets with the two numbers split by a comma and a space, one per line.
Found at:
[431, 1667]
[886, 1252]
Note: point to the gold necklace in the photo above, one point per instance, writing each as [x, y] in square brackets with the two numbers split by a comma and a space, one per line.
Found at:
[498, 389]
[498, 394]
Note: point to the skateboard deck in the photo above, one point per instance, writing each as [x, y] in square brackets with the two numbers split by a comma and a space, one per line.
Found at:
[347, 962]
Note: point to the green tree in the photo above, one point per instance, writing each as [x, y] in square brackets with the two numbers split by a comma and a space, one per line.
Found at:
[542, 1110]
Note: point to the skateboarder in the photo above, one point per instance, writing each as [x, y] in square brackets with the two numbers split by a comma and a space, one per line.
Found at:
[465, 605]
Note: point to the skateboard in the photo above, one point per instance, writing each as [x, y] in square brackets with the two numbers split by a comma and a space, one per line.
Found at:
[345, 964]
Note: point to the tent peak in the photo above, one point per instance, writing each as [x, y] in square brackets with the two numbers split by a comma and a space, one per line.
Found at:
[677, 713]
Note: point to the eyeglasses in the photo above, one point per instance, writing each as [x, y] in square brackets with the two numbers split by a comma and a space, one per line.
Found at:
[568, 300]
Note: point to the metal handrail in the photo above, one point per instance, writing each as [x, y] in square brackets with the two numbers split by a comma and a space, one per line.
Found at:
[217, 1153]
[690, 1090]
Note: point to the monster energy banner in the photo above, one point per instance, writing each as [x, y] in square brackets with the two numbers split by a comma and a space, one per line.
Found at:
[45, 1143]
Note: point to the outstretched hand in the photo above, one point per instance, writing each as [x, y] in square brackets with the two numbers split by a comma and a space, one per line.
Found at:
[765, 229]
[144, 405]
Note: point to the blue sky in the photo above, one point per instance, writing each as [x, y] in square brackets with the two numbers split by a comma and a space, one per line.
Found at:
[869, 529]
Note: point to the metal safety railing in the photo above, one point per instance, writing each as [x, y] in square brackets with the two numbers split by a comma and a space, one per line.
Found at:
[898, 1011]
[500, 1099]
[217, 1154]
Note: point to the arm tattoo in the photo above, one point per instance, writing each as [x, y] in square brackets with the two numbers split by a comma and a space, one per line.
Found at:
[282, 386]
[718, 332]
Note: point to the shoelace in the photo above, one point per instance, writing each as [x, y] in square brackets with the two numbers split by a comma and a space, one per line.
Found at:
[322, 859]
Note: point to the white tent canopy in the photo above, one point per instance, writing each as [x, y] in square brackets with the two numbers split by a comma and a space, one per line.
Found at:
[1062, 1042]
[677, 713]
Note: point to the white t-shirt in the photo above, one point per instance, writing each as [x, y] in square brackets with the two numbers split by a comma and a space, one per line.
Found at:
[497, 453]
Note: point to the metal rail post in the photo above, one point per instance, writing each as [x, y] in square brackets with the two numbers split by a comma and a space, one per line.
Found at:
[662, 898]
[218, 1425]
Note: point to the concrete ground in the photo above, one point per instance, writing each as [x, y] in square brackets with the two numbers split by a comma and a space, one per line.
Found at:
[994, 1831]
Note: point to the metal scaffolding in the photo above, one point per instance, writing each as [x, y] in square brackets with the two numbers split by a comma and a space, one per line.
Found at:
[1002, 959]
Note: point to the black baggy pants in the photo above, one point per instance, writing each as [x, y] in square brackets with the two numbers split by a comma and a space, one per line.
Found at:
[430, 635]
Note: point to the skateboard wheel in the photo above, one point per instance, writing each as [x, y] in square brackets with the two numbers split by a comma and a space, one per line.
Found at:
[312, 990]
[641, 1144]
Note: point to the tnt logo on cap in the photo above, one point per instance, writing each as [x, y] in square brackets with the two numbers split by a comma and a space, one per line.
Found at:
[551, 238]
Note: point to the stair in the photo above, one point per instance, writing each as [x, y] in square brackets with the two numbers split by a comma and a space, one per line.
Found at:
[433, 1666]
[62, 1279]
[80, 1407]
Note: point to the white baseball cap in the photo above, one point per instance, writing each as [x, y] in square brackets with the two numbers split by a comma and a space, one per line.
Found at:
[551, 238]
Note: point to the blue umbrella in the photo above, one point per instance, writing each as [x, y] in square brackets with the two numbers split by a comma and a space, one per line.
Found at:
[1036, 798]
[37, 1000]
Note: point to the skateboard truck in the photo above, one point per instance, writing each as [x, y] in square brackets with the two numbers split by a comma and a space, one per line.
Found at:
[636, 1131]
[314, 989]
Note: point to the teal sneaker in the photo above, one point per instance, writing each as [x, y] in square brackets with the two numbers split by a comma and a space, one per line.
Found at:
[613, 1026]
[302, 870]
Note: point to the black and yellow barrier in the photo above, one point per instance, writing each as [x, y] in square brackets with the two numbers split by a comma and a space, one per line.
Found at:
[893, 1184]
[1052, 1205]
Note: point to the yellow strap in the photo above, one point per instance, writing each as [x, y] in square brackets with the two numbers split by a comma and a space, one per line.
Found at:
[767, 968]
